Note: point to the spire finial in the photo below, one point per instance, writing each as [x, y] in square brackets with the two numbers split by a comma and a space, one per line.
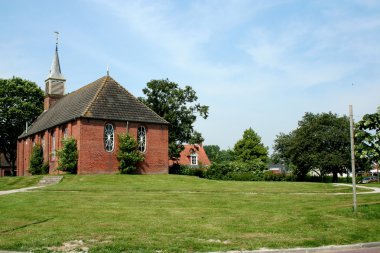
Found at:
[56, 41]
[108, 70]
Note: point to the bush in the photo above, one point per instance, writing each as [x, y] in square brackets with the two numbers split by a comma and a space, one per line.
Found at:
[68, 156]
[236, 170]
[128, 155]
[187, 170]
[45, 168]
[37, 161]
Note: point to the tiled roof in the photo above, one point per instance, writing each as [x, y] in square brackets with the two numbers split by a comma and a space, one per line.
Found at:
[184, 159]
[102, 99]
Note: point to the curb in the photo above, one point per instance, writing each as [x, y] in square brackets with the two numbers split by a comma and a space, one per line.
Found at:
[308, 250]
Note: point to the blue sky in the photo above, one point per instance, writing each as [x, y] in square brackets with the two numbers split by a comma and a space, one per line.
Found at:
[259, 64]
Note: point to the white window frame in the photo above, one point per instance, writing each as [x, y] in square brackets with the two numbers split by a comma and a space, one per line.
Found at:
[141, 139]
[109, 137]
[192, 156]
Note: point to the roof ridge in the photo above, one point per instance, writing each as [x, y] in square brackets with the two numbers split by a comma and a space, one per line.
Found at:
[95, 97]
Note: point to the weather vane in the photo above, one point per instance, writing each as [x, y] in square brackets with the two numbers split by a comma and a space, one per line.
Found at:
[57, 33]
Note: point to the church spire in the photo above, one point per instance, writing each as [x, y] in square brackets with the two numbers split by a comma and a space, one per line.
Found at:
[55, 82]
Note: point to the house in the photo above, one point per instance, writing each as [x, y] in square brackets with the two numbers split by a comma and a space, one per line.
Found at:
[194, 155]
[5, 167]
[94, 115]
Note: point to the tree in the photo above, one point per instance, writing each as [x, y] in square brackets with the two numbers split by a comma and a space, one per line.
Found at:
[21, 101]
[281, 148]
[128, 155]
[217, 155]
[320, 143]
[250, 148]
[177, 106]
[196, 138]
[367, 137]
[68, 156]
[37, 165]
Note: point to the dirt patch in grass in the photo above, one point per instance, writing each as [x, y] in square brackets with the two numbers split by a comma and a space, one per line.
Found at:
[76, 246]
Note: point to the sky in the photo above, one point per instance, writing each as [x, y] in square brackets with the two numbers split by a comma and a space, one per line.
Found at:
[256, 63]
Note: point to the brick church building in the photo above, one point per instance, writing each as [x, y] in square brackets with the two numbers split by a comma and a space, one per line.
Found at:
[94, 115]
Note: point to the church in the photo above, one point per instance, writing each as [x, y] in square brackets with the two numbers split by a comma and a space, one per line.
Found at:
[94, 116]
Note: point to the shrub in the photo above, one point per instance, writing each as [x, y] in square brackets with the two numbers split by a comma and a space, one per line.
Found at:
[68, 156]
[45, 168]
[37, 161]
[128, 155]
[236, 170]
[187, 170]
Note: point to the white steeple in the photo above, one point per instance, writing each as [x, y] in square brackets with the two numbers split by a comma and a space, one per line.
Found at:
[55, 82]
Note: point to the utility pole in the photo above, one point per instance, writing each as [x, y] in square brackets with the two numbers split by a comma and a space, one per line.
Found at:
[352, 156]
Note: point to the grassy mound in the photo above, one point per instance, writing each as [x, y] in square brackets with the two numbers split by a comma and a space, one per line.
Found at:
[169, 213]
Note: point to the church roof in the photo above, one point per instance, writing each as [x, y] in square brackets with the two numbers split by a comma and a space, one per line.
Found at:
[102, 99]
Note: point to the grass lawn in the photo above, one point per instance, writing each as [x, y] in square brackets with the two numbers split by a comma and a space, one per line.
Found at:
[10, 183]
[168, 213]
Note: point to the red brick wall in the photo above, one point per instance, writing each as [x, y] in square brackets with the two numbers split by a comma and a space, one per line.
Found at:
[92, 157]
[24, 150]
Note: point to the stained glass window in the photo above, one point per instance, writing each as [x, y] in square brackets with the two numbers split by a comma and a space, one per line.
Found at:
[109, 137]
[141, 138]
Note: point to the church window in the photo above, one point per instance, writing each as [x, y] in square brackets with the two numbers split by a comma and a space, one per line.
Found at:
[42, 143]
[109, 133]
[53, 146]
[194, 159]
[65, 133]
[141, 138]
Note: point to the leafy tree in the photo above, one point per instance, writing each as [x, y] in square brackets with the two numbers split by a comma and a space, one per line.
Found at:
[177, 106]
[367, 137]
[128, 155]
[320, 143]
[196, 138]
[68, 156]
[281, 148]
[37, 166]
[250, 148]
[21, 101]
[215, 154]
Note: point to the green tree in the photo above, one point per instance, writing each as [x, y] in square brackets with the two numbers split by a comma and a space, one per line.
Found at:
[68, 156]
[367, 137]
[177, 106]
[250, 148]
[196, 138]
[215, 154]
[36, 166]
[21, 101]
[128, 155]
[320, 143]
[281, 148]
[281, 151]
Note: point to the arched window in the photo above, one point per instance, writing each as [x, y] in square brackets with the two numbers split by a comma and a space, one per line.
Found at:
[141, 138]
[65, 133]
[53, 146]
[109, 134]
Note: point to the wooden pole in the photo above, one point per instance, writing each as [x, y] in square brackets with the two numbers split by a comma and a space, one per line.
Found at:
[352, 156]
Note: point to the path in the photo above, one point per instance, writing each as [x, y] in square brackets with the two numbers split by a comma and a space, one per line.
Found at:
[374, 189]
[45, 181]
[21, 190]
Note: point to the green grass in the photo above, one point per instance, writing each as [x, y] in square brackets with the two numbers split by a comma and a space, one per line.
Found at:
[168, 213]
[10, 183]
